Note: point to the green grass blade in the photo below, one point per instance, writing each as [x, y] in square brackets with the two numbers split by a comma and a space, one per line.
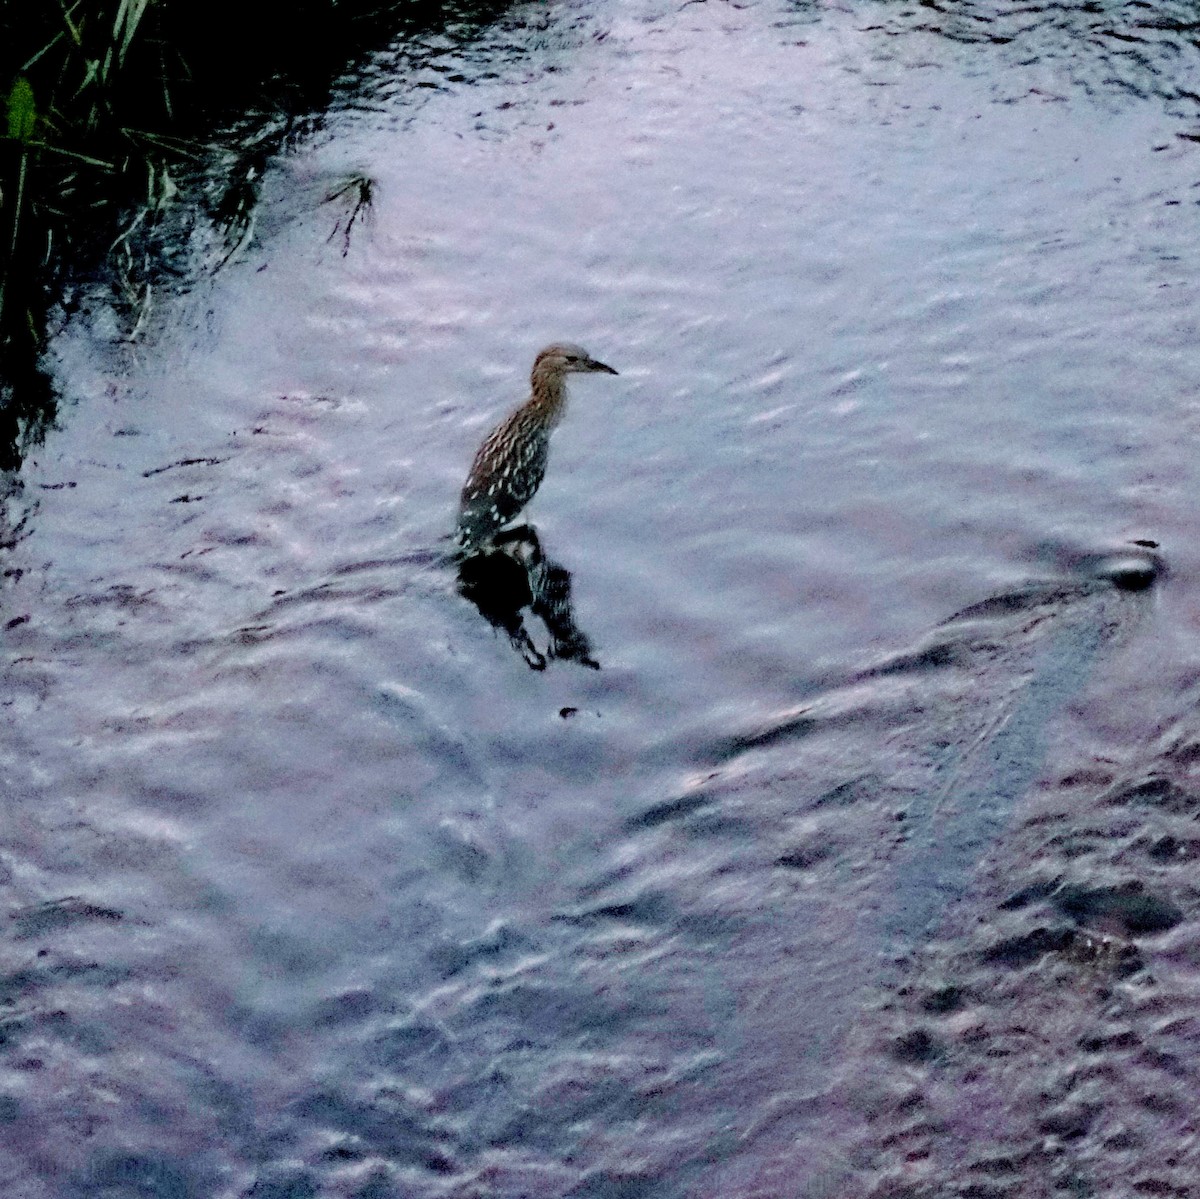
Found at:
[129, 17]
[22, 115]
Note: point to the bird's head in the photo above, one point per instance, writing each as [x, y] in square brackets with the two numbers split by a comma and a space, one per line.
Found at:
[563, 358]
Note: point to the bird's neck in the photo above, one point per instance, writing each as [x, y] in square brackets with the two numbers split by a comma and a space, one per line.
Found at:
[549, 397]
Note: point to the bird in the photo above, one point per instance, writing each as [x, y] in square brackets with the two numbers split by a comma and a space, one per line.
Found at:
[511, 462]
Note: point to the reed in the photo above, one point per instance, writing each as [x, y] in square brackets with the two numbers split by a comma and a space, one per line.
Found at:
[112, 109]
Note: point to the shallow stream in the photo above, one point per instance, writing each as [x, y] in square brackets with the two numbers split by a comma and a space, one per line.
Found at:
[865, 862]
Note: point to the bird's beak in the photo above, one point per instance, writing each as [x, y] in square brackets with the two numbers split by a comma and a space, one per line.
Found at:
[593, 365]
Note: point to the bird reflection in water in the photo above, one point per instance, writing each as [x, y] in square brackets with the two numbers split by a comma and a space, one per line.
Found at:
[502, 569]
[513, 575]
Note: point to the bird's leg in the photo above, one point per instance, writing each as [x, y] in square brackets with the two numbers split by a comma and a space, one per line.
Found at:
[523, 644]
[525, 533]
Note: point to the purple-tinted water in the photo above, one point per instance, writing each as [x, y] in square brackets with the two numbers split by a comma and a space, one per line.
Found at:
[315, 888]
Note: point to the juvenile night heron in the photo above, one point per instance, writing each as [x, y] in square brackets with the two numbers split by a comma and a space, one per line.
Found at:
[511, 463]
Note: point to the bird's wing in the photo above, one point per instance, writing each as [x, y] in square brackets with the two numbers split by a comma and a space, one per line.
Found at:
[506, 473]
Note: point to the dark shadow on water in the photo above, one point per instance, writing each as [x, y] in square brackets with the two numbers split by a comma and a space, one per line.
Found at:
[514, 576]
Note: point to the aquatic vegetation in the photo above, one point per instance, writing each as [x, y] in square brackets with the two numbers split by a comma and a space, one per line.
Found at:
[357, 193]
[117, 113]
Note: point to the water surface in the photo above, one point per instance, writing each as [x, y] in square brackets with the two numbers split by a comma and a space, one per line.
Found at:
[316, 888]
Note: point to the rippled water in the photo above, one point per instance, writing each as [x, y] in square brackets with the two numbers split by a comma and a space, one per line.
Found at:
[864, 864]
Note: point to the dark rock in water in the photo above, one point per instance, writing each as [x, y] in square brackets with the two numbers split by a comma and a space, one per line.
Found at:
[1128, 571]
[1129, 906]
[1132, 572]
[1133, 576]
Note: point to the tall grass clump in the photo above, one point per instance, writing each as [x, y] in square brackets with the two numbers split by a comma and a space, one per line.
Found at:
[108, 106]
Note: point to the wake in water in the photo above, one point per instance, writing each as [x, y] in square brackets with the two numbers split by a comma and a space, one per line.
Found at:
[795, 881]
